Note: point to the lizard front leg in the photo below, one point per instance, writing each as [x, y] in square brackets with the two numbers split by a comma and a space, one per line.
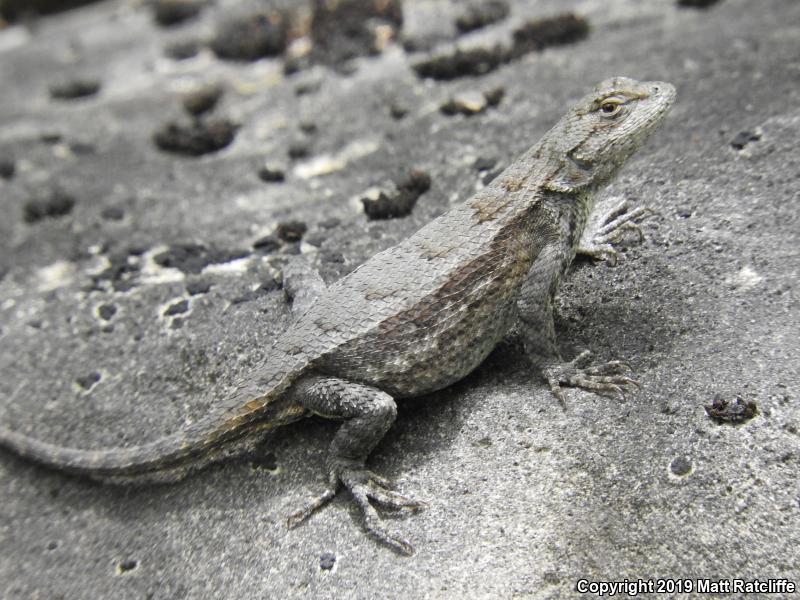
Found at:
[535, 310]
[607, 224]
[368, 413]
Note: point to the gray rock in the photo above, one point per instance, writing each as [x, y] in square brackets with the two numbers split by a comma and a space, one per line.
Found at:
[526, 498]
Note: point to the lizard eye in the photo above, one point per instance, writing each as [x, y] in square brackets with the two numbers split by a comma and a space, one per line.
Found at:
[610, 107]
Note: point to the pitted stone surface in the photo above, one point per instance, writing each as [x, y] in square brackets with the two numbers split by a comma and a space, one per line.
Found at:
[705, 306]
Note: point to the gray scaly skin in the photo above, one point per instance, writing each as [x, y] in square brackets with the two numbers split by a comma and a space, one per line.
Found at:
[421, 315]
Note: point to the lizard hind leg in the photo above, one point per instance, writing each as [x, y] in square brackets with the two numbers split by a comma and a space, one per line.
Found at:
[368, 414]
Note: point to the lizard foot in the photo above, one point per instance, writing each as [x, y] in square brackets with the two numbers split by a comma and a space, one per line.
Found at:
[608, 227]
[609, 378]
[365, 486]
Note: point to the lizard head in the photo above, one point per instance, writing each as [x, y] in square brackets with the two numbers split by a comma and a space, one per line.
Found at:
[602, 130]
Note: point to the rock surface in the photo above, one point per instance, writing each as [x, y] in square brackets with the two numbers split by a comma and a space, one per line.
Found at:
[125, 317]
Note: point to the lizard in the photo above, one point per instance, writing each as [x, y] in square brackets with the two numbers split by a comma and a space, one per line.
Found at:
[421, 315]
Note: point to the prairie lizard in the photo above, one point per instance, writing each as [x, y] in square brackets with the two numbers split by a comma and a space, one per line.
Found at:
[421, 315]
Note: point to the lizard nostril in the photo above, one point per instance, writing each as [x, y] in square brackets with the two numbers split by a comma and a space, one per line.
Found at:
[656, 89]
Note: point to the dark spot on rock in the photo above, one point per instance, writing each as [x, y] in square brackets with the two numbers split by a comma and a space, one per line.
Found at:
[198, 286]
[471, 102]
[196, 139]
[294, 64]
[697, 3]
[193, 258]
[308, 127]
[330, 223]
[35, 323]
[298, 149]
[345, 29]
[536, 35]
[267, 244]
[120, 272]
[183, 49]
[271, 173]
[7, 168]
[307, 87]
[11, 10]
[106, 311]
[75, 88]
[291, 231]
[265, 460]
[58, 204]
[202, 100]
[172, 12]
[466, 103]
[495, 95]
[292, 249]
[82, 148]
[127, 565]
[398, 198]
[680, 466]
[417, 181]
[270, 285]
[397, 111]
[331, 256]
[551, 578]
[178, 308]
[484, 163]
[327, 560]
[723, 410]
[52, 545]
[743, 138]
[113, 213]
[481, 14]
[252, 36]
[316, 239]
[490, 175]
[462, 63]
[87, 381]
[51, 137]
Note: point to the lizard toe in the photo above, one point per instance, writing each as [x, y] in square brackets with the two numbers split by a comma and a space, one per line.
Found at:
[362, 482]
[310, 508]
[609, 379]
[613, 367]
[374, 525]
[394, 500]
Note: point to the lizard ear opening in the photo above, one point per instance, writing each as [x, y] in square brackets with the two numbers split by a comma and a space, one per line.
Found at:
[570, 176]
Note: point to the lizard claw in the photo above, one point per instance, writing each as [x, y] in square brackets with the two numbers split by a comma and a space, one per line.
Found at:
[608, 379]
[365, 486]
[609, 226]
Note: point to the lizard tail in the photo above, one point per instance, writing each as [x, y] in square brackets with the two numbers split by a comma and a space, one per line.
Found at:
[208, 440]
